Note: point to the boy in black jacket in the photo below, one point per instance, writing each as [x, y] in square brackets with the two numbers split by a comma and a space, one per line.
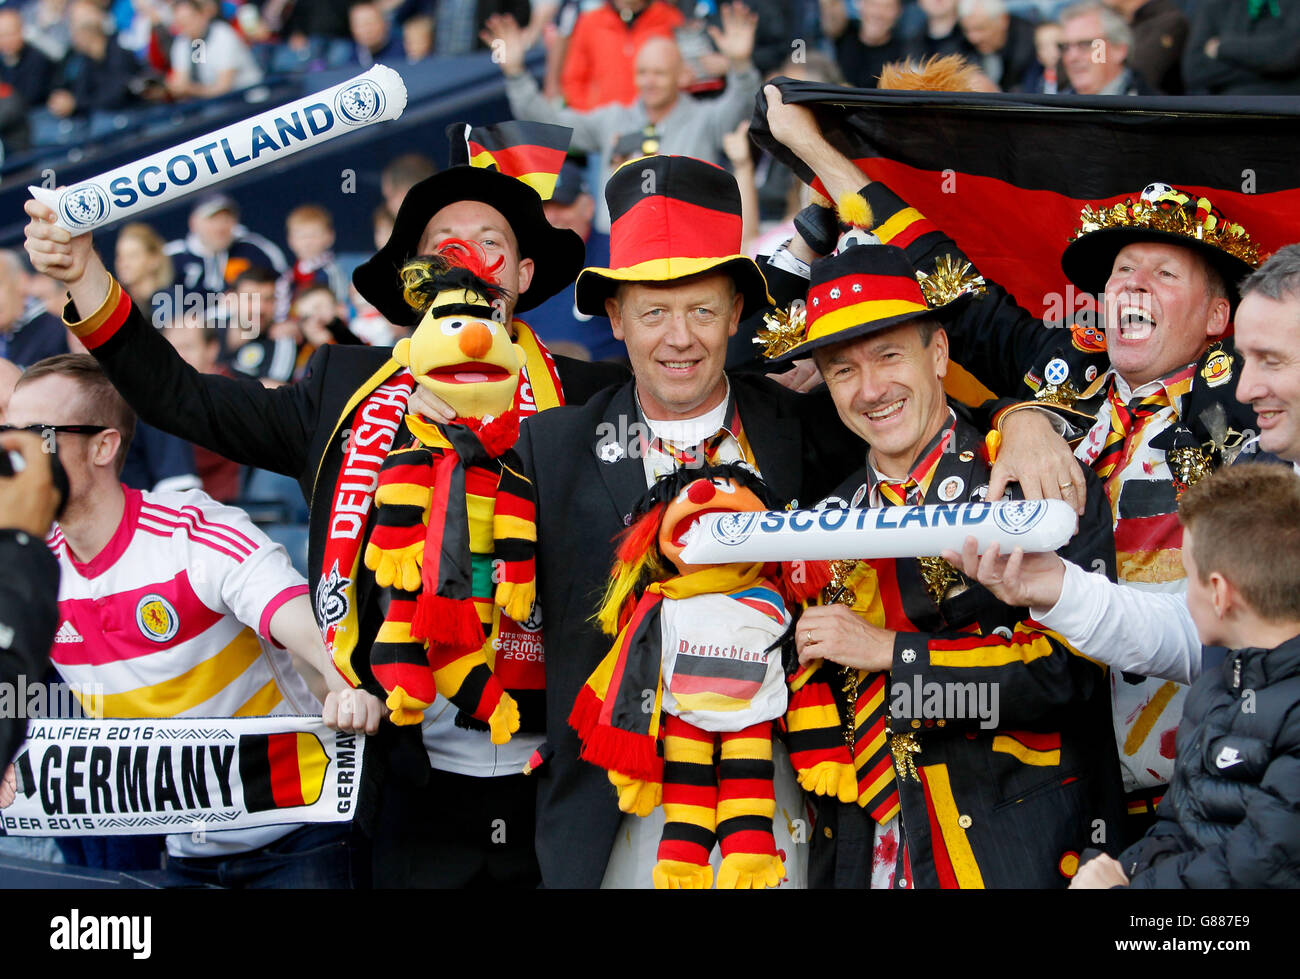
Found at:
[1231, 817]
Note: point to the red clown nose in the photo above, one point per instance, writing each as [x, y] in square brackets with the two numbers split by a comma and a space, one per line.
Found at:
[701, 491]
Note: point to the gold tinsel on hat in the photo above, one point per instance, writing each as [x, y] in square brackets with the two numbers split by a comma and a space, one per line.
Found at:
[1202, 223]
[949, 280]
[785, 330]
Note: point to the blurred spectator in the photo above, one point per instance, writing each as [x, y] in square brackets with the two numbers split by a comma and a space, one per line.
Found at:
[310, 231]
[208, 58]
[218, 248]
[381, 223]
[1047, 78]
[368, 324]
[557, 321]
[27, 332]
[141, 264]
[400, 175]
[145, 33]
[50, 293]
[26, 67]
[45, 24]
[773, 38]
[600, 63]
[318, 319]
[1094, 51]
[14, 132]
[200, 345]
[249, 309]
[159, 462]
[1244, 48]
[780, 193]
[685, 125]
[460, 21]
[942, 33]
[417, 38]
[1159, 37]
[373, 39]
[1003, 42]
[865, 45]
[315, 34]
[97, 73]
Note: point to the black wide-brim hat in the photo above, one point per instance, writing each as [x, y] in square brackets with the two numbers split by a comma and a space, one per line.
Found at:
[558, 254]
[867, 289]
[1160, 214]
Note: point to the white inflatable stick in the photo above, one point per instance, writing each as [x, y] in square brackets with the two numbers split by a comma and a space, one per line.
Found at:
[374, 96]
[883, 532]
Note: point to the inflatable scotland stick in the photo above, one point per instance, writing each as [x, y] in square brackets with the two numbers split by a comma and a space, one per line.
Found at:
[374, 96]
[884, 532]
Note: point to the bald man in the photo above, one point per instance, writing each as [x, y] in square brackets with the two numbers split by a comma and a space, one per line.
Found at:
[682, 125]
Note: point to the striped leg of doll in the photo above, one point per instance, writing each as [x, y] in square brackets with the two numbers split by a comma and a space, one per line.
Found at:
[746, 805]
[690, 804]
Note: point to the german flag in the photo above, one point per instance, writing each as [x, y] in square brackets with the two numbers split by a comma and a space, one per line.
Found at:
[1006, 176]
[280, 771]
[715, 683]
[532, 152]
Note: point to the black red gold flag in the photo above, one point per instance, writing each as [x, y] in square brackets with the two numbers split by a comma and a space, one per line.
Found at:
[532, 152]
[1006, 175]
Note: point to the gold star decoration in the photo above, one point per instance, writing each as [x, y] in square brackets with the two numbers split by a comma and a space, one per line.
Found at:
[950, 280]
[785, 330]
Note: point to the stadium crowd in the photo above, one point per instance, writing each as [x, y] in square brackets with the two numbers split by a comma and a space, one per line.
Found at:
[278, 314]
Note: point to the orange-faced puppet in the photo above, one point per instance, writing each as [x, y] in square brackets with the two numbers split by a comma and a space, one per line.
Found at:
[708, 640]
[454, 531]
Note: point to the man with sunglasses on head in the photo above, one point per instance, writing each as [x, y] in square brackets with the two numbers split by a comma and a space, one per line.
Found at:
[177, 606]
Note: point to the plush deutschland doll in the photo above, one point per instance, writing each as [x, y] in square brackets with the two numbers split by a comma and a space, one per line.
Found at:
[681, 710]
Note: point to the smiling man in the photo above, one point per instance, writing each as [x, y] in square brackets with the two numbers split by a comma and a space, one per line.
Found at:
[913, 791]
[675, 289]
[1148, 400]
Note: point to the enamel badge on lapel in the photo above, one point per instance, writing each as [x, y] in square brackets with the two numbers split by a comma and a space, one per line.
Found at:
[951, 488]
[611, 452]
[1057, 389]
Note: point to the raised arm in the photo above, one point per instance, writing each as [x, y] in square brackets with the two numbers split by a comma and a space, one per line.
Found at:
[239, 419]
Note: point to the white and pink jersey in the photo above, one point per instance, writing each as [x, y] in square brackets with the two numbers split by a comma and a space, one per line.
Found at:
[172, 619]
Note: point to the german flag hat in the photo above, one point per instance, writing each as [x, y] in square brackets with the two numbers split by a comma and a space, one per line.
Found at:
[866, 289]
[1164, 214]
[671, 217]
[511, 166]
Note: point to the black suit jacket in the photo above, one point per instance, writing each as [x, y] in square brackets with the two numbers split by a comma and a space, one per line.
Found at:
[802, 451]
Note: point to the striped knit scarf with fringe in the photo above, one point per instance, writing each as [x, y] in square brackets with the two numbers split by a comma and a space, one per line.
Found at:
[455, 493]
[616, 731]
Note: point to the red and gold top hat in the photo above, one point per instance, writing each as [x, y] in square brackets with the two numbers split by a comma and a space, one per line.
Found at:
[1164, 214]
[671, 217]
[866, 289]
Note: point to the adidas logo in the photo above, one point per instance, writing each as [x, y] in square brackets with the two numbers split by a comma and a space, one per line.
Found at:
[67, 633]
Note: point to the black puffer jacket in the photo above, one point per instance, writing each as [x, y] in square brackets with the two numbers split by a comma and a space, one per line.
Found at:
[1232, 814]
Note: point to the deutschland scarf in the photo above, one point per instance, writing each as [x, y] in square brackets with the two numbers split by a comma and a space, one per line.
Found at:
[373, 421]
[616, 730]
